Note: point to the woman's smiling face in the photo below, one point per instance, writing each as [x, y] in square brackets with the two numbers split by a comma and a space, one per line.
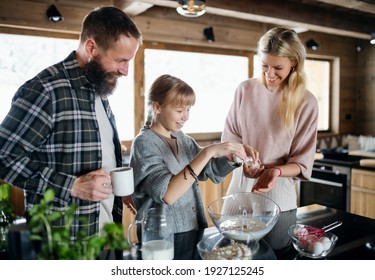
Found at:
[275, 69]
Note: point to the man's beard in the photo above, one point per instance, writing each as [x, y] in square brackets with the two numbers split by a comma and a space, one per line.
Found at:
[104, 82]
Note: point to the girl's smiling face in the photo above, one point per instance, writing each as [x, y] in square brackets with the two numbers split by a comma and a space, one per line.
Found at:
[171, 117]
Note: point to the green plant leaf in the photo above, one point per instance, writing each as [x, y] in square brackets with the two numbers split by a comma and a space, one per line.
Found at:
[56, 243]
[55, 216]
[5, 191]
[49, 195]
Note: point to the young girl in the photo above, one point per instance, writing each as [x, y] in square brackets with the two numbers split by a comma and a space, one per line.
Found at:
[168, 164]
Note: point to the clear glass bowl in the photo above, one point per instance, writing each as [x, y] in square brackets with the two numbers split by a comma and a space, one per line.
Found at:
[310, 245]
[218, 247]
[244, 214]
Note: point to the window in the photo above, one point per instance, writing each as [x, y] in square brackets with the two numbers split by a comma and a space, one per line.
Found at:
[318, 82]
[213, 76]
[19, 63]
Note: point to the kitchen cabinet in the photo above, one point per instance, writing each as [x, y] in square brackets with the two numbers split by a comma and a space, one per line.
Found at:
[362, 193]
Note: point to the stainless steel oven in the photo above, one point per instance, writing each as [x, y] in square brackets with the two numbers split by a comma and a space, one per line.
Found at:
[329, 186]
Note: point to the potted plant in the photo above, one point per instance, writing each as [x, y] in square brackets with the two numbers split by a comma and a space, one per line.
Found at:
[6, 215]
[54, 243]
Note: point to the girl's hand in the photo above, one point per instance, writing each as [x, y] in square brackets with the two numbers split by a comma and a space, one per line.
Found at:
[226, 149]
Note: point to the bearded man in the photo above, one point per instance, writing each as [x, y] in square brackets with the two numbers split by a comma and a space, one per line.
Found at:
[60, 132]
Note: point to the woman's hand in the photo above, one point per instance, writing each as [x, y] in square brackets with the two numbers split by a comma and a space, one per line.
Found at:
[266, 181]
[252, 167]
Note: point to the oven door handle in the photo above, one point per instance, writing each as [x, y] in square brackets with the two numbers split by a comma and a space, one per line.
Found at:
[325, 182]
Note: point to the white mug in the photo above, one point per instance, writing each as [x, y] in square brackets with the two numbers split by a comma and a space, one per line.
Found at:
[122, 181]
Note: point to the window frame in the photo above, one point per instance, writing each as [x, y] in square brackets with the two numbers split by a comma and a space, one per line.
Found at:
[330, 90]
[333, 92]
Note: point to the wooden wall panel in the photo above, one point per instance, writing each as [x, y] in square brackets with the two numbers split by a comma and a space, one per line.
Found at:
[344, 51]
[365, 103]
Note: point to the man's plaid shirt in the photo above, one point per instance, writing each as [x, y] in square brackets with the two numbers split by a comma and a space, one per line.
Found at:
[51, 135]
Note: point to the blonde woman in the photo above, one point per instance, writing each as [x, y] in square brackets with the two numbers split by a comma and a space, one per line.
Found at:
[276, 117]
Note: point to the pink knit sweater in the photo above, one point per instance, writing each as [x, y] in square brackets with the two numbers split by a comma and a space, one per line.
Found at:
[253, 119]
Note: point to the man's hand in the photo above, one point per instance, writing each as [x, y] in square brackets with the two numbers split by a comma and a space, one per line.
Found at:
[93, 186]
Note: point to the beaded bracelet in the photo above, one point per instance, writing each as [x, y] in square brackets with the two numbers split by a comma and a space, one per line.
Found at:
[192, 173]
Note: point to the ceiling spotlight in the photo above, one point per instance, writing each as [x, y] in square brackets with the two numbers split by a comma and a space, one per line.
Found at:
[311, 44]
[191, 8]
[372, 41]
[209, 34]
[53, 14]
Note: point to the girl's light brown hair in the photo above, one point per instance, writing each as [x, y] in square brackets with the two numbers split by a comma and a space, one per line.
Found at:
[168, 89]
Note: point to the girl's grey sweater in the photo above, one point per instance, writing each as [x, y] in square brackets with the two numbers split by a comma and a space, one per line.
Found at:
[154, 165]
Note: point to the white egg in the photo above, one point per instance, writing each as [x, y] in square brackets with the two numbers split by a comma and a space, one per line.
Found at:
[316, 248]
[326, 243]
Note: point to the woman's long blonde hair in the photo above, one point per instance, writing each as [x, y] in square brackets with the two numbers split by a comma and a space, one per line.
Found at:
[285, 42]
[168, 89]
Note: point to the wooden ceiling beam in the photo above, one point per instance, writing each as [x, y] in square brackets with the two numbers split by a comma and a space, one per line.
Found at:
[32, 15]
[297, 14]
[351, 4]
[294, 15]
